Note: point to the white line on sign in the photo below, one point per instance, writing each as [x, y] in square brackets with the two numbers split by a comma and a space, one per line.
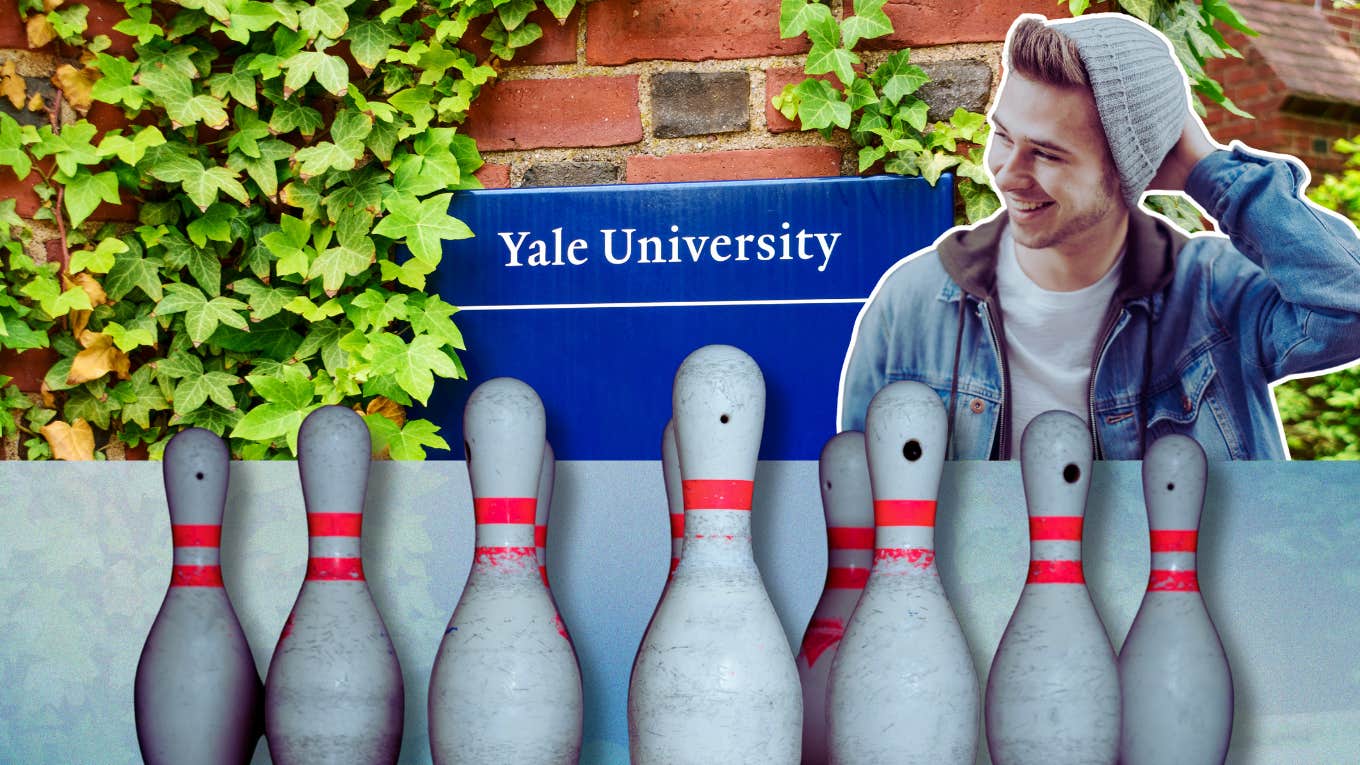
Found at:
[675, 304]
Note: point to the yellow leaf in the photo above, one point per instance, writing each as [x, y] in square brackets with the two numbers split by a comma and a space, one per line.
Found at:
[12, 86]
[76, 84]
[48, 400]
[70, 442]
[36, 104]
[79, 321]
[87, 283]
[387, 408]
[40, 31]
[99, 358]
[51, 5]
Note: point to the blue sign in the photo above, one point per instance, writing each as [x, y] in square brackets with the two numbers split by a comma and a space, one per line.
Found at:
[594, 295]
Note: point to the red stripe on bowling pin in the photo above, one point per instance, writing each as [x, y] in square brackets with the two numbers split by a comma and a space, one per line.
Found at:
[677, 525]
[1057, 528]
[821, 635]
[496, 555]
[718, 494]
[196, 576]
[504, 509]
[540, 536]
[335, 569]
[904, 512]
[334, 524]
[1055, 572]
[846, 578]
[850, 537]
[1167, 580]
[196, 535]
[1173, 541]
[920, 557]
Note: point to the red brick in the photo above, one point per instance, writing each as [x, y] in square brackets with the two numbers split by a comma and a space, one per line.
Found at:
[775, 80]
[27, 368]
[12, 31]
[556, 46]
[494, 176]
[533, 114]
[622, 31]
[103, 15]
[939, 22]
[793, 162]
[26, 200]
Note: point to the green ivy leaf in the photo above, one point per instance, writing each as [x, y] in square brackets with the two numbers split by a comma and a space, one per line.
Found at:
[84, 405]
[12, 154]
[85, 191]
[264, 169]
[175, 91]
[99, 260]
[69, 22]
[138, 24]
[560, 8]
[797, 16]
[71, 147]
[369, 42]
[239, 83]
[1078, 7]
[201, 315]
[264, 300]
[131, 270]
[248, 17]
[326, 17]
[270, 421]
[423, 225]
[53, 301]
[413, 365]
[820, 106]
[194, 391]
[130, 151]
[404, 442]
[146, 397]
[430, 315]
[1225, 13]
[868, 22]
[289, 116]
[329, 71]
[898, 78]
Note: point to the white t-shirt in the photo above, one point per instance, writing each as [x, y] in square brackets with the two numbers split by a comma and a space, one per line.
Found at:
[1050, 339]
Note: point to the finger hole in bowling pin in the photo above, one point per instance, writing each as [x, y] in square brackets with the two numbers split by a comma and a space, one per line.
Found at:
[1171, 487]
[912, 450]
[723, 419]
[828, 486]
[199, 476]
[1071, 473]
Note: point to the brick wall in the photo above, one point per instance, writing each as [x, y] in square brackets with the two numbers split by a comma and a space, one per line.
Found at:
[637, 91]
[1301, 127]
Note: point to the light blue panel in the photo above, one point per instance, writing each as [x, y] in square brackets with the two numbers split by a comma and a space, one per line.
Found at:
[85, 558]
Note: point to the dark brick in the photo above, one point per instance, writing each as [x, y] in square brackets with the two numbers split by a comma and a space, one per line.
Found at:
[698, 103]
[571, 174]
[966, 83]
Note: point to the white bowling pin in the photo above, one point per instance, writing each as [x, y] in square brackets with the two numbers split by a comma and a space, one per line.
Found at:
[903, 688]
[1053, 691]
[505, 685]
[843, 476]
[1176, 686]
[675, 494]
[197, 697]
[334, 693]
[715, 680]
[546, 477]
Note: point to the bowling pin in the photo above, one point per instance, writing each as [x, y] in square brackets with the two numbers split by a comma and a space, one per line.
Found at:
[197, 697]
[903, 688]
[715, 680]
[334, 692]
[843, 476]
[546, 477]
[1174, 677]
[1053, 691]
[675, 494]
[505, 685]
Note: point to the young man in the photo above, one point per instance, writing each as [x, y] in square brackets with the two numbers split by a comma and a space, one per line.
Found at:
[1071, 297]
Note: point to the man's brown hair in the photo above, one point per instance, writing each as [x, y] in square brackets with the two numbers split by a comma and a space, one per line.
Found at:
[1041, 53]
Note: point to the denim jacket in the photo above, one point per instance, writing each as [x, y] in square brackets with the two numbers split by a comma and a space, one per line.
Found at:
[1198, 329]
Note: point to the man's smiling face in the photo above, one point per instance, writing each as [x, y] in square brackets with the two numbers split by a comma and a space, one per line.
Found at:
[1052, 166]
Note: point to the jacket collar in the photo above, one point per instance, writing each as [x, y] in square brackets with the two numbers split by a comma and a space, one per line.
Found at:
[969, 256]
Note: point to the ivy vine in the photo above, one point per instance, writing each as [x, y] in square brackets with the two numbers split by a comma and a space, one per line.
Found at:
[290, 164]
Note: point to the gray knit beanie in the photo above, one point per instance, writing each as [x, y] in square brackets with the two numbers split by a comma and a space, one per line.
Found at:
[1139, 92]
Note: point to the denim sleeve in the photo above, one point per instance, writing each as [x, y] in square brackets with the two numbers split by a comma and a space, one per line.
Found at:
[1301, 311]
[865, 369]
